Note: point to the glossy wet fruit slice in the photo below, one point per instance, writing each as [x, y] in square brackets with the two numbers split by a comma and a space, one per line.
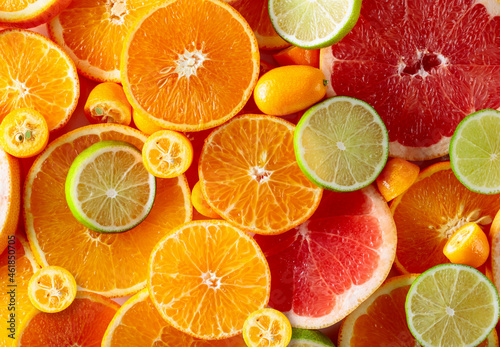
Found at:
[324, 268]
[494, 237]
[65, 327]
[468, 245]
[297, 56]
[452, 305]
[475, 152]
[200, 204]
[267, 327]
[52, 289]
[309, 338]
[430, 212]
[397, 176]
[55, 90]
[206, 277]
[10, 196]
[107, 103]
[341, 144]
[421, 79]
[29, 14]
[57, 238]
[138, 323]
[191, 67]
[144, 123]
[250, 177]
[108, 189]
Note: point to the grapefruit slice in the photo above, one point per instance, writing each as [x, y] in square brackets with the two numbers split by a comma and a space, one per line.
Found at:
[324, 268]
[421, 79]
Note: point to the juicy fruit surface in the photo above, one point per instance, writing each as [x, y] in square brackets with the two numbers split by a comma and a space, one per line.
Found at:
[397, 176]
[55, 90]
[495, 249]
[267, 327]
[107, 103]
[421, 79]
[138, 323]
[324, 268]
[249, 175]
[206, 277]
[57, 238]
[10, 196]
[428, 213]
[194, 67]
[468, 246]
[29, 13]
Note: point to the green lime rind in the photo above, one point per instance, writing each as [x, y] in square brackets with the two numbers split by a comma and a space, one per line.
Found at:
[86, 157]
[300, 23]
[430, 302]
[475, 152]
[341, 144]
[309, 338]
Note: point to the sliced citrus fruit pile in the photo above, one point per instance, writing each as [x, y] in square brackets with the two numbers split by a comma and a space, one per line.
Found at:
[430, 212]
[66, 327]
[193, 67]
[206, 277]
[31, 13]
[340, 256]
[309, 338]
[55, 90]
[138, 323]
[452, 305]
[57, 238]
[397, 176]
[10, 196]
[249, 175]
[468, 245]
[341, 144]
[267, 327]
[52, 289]
[107, 103]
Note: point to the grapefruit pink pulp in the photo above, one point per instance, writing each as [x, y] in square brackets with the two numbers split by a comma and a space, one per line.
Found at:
[423, 65]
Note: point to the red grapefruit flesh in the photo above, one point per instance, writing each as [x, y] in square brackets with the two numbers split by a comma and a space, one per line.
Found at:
[324, 268]
[422, 79]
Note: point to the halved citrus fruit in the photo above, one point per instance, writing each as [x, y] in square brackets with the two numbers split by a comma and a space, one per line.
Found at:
[468, 245]
[421, 79]
[206, 277]
[107, 103]
[83, 323]
[267, 327]
[429, 213]
[31, 13]
[10, 196]
[250, 177]
[396, 177]
[189, 63]
[14, 280]
[35, 73]
[138, 323]
[57, 238]
[494, 237]
[324, 268]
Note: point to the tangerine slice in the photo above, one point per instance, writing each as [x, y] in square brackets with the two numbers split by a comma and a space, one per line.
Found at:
[57, 238]
[189, 63]
[52, 289]
[250, 177]
[29, 13]
[206, 277]
[10, 196]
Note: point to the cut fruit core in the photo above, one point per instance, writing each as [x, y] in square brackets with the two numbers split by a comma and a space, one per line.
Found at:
[424, 63]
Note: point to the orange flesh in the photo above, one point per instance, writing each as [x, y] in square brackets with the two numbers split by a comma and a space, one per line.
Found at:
[43, 294]
[272, 327]
[14, 6]
[298, 56]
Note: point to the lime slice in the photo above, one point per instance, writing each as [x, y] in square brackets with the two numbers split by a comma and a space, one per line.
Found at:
[341, 144]
[475, 152]
[452, 305]
[313, 24]
[108, 189]
[309, 338]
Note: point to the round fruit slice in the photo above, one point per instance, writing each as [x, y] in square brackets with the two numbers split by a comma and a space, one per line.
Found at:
[18, 275]
[314, 24]
[309, 338]
[188, 67]
[138, 323]
[55, 90]
[452, 305]
[83, 323]
[10, 197]
[475, 152]
[24, 133]
[57, 238]
[249, 175]
[267, 327]
[29, 14]
[52, 289]
[107, 103]
[206, 277]
[314, 281]
[341, 144]
[421, 79]
[430, 212]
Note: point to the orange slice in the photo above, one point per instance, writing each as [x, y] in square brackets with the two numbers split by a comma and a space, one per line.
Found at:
[25, 267]
[429, 213]
[29, 13]
[257, 15]
[92, 33]
[10, 196]
[249, 175]
[206, 277]
[138, 323]
[100, 262]
[107, 103]
[82, 324]
[189, 62]
[35, 73]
